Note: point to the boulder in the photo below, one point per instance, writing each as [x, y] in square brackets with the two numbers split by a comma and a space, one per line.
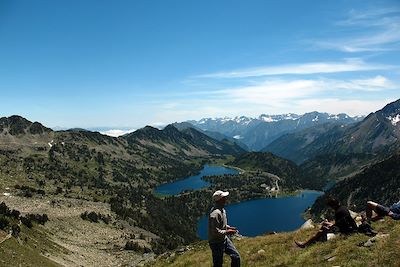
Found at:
[308, 225]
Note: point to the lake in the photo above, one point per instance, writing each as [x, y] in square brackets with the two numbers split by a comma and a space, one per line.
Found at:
[253, 217]
[256, 217]
[193, 182]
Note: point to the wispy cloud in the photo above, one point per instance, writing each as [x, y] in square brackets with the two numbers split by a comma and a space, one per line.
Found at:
[335, 105]
[375, 17]
[377, 83]
[282, 91]
[377, 30]
[273, 91]
[346, 65]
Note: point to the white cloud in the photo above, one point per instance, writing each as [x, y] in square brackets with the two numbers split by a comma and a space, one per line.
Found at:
[254, 107]
[377, 83]
[335, 105]
[117, 132]
[283, 95]
[379, 41]
[281, 91]
[273, 91]
[347, 65]
[371, 17]
[379, 30]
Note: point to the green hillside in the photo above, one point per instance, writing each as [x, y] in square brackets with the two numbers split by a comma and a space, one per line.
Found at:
[37, 162]
[280, 250]
[28, 250]
[379, 182]
[291, 176]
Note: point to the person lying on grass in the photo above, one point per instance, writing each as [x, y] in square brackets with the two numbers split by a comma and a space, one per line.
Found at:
[381, 211]
[344, 224]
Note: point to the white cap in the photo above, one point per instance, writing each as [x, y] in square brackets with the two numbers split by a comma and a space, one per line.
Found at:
[219, 194]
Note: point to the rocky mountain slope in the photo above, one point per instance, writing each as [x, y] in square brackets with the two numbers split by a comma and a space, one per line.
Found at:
[378, 133]
[181, 126]
[36, 162]
[379, 182]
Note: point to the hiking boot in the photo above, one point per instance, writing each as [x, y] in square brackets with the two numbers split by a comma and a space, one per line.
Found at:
[300, 244]
[371, 232]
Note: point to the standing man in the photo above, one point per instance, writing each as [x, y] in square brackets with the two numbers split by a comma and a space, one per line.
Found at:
[218, 229]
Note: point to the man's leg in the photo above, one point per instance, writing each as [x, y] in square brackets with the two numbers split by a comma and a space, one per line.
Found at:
[217, 250]
[370, 207]
[321, 235]
[231, 250]
[380, 210]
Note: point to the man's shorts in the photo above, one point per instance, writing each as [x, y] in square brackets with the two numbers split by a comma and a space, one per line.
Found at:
[382, 210]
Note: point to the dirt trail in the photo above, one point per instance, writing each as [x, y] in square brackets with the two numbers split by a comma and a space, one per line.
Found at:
[83, 243]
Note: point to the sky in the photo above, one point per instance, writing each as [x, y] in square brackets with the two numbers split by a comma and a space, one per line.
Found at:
[127, 64]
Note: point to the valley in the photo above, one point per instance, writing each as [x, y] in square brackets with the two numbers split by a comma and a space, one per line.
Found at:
[76, 174]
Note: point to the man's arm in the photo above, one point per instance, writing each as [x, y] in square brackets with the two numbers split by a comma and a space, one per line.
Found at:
[215, 226]
[215, 222]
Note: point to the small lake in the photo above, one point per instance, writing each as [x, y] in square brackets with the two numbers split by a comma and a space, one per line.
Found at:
[193, 182]
[256, 217]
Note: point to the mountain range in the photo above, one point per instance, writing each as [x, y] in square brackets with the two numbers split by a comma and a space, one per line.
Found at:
[378, 133]
[257, 133]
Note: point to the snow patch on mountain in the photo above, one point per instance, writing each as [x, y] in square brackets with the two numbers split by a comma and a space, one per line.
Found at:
[394, 120]
[267, 118]
[333, 117]
[243, 120]
[291, 116]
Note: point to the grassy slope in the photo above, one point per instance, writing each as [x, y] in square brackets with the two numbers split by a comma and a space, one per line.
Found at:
[28, 250]
[281, 251]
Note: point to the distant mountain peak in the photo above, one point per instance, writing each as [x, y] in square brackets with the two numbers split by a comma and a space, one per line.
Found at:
[391, 109]
[17, 125]
[170, 127]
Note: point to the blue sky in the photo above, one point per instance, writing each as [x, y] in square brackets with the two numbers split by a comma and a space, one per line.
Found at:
[129, 64]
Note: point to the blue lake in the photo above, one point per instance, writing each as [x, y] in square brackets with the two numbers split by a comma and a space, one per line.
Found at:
[256, 217]
[193, 182]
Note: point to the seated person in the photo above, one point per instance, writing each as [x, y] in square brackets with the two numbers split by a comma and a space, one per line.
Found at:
[344, 223]
[381, 211]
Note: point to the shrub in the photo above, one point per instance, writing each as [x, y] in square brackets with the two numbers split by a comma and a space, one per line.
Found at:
[4, 222]
[4, 209]
[15, 230]
[27, 222]
[134, 245]
[84, 215]
[93, 217]
[41, 192]
[41, 219]
[15, 214]
[59, 190]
